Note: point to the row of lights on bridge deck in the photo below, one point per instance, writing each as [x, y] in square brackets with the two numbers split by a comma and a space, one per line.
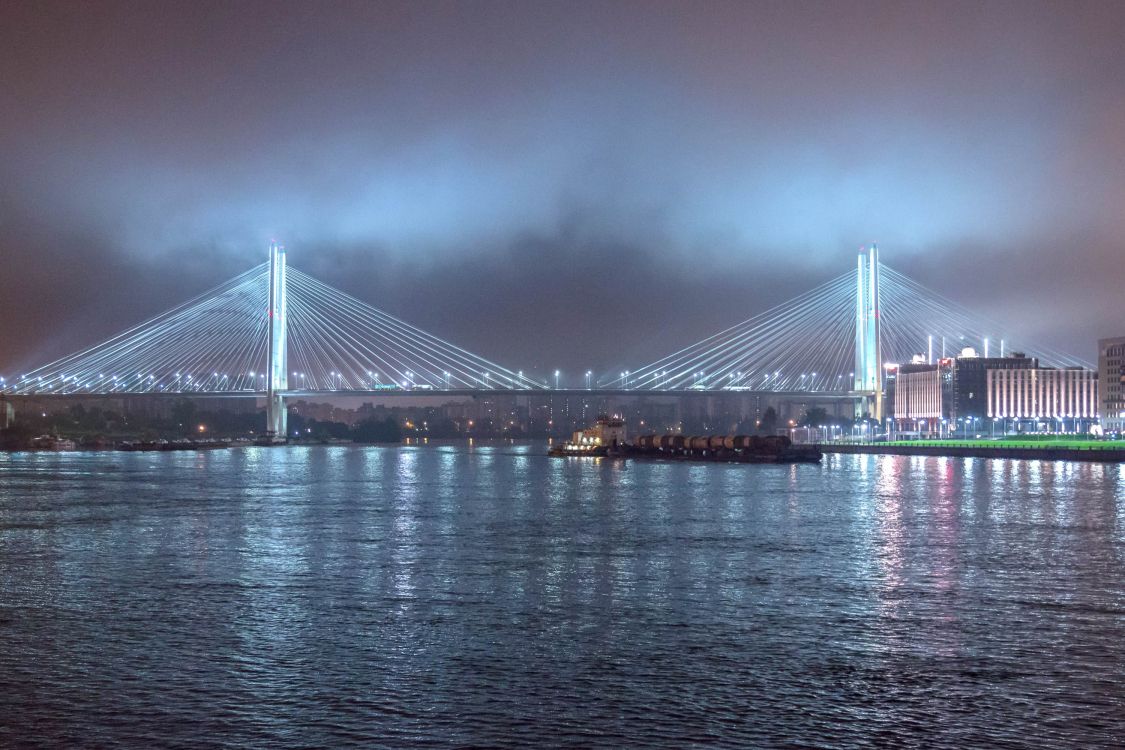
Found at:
[700, 378]
[338, 380]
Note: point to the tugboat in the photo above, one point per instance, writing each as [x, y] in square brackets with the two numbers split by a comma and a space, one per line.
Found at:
[53, 443]
[605, 438]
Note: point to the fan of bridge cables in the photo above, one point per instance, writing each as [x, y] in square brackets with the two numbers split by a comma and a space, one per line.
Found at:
[914, 315]
[338, 342]
[808, 342]
[218, 342]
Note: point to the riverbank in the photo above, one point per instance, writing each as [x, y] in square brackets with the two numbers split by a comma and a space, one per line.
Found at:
[1105, 452]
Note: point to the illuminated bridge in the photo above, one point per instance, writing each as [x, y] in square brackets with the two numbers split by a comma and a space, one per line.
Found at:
[275, 333]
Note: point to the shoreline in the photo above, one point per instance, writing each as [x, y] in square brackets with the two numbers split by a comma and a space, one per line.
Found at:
[1099, 455]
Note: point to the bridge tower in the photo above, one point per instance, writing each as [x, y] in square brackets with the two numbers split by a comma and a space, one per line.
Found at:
[868, 336]
[277, 422]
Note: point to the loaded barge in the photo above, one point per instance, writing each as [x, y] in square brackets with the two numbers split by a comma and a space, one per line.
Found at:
[749, 449]
[607, 438]
[174, 445]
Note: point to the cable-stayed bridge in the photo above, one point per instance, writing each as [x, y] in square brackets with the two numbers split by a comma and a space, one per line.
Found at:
[836, 337]
[278, 333]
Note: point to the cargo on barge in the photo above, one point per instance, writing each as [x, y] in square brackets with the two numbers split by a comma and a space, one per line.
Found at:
[607, 439]
[756, 449]
[174, 445]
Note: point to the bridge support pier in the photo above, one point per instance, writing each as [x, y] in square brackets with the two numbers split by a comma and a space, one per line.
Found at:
[7, 414]
[277, 419]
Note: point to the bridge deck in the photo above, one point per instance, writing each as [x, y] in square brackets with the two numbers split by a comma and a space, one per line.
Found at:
[458, 393]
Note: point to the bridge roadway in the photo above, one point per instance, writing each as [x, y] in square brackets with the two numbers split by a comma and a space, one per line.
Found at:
[462, 392]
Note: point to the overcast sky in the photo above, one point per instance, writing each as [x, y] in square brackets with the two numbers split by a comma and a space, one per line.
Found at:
[565, 184]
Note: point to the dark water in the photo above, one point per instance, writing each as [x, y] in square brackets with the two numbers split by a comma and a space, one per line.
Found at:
[449, 596]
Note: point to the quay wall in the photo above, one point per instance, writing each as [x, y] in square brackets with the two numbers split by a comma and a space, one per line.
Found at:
[1046, 453]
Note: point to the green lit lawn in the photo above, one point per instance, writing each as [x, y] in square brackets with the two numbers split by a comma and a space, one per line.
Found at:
[1060, 442]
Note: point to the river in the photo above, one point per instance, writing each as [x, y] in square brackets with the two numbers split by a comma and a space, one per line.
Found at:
[491, 596]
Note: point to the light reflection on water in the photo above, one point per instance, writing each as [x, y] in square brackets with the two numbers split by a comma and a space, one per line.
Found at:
[490, 595]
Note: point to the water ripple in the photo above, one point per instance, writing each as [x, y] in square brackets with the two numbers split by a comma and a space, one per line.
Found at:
[490, 597]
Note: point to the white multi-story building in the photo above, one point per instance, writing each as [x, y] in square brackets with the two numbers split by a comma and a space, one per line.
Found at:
[1042, 393]
[918, 395]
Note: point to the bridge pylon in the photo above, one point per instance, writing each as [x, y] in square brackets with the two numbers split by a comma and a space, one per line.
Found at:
[868, 336]
[277, 422]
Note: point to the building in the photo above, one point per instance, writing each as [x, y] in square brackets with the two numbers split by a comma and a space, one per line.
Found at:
[1111, 383]
[990, 394]
[1067, 397]
[970, 381]
[919, 394]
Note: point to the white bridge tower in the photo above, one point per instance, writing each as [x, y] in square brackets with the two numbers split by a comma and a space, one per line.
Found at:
[868, 337]
[277, 423]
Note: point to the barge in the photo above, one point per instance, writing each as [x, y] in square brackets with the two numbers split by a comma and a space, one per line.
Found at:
[174, 445]
[607, 439]
[53, 443]
[750, 449]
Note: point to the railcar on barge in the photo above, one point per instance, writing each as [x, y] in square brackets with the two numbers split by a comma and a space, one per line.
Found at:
[751, 449]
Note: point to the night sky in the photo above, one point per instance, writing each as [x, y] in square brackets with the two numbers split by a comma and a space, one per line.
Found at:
[572, 185]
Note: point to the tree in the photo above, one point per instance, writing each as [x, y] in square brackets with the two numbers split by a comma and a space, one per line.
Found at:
[768, 423]
[815, 416]
[78, 413]
[443, 427]
[374, 430]
[183, 414]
